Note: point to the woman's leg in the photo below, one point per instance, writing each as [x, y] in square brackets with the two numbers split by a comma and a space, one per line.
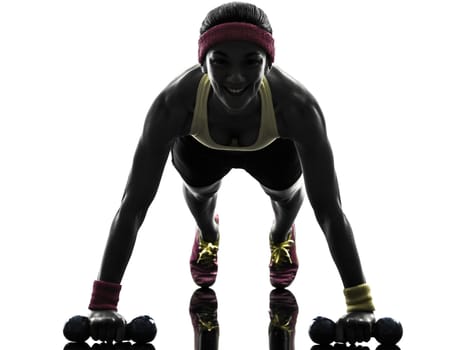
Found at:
[283, 262]
[286, 204]
[202, 203]
[202, 170]
[204, 258]
[278, 170]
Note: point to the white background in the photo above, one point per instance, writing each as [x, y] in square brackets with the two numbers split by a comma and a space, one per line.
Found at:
[76, 80]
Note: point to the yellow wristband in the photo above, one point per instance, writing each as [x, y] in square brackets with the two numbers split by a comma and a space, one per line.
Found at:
[358, 298]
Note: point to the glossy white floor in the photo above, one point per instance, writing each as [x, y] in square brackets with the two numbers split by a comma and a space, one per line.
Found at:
[77, 79]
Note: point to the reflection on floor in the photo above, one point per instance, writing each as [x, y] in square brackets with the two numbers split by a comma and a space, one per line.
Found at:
[283, 315]
[107, 346]
[203, 313]
[281, 330]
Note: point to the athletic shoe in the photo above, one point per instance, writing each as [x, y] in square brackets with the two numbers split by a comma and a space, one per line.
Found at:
[204, 260]
[283, 262]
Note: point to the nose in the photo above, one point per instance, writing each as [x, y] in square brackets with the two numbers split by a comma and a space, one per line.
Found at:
[235, 76]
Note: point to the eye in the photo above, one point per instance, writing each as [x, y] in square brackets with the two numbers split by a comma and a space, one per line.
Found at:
[218, 61]
[254, 62]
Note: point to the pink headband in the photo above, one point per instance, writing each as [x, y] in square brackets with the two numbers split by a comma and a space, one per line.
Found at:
[235, 31]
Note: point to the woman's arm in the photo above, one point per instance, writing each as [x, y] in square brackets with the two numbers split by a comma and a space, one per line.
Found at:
[322, 189]
[168, 118]
[148, 164]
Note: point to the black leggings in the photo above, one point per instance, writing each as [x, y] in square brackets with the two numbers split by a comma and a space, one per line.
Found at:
[276, 166]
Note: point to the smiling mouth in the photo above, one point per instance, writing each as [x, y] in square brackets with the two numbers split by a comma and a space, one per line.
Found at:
[234, 91]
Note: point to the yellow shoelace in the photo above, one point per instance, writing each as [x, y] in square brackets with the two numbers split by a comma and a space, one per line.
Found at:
[209, 324]
[280, 251]
[283, 325]
[207, 251]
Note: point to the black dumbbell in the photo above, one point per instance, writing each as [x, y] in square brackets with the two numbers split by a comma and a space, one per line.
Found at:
[386, 331]
[141, 330]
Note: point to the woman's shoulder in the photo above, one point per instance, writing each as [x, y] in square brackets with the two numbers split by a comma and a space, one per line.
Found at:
[172, 109]
[183, 89]
[286, 88]
[294, 104]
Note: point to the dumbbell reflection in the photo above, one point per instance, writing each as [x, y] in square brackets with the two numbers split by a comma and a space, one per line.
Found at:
[108, 346]
[341, 346]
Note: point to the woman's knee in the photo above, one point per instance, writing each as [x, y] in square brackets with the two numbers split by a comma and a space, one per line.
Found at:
[292, 193]
[203, 192]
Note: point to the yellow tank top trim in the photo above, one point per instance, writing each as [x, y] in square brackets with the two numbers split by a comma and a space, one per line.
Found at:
[267, 133]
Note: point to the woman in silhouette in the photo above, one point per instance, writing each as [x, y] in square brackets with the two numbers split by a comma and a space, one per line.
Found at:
[235, 109]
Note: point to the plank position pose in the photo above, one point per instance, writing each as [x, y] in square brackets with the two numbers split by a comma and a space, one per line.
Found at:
[235, 109]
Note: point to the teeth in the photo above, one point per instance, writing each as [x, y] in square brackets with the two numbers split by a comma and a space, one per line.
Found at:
[234, 91]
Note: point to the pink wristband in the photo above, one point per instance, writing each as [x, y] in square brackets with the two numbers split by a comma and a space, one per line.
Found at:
[105, 296]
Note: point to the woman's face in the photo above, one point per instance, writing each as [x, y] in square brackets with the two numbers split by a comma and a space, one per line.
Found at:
[236, 70]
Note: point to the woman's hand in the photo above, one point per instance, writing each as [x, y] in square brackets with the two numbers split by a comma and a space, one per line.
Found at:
[355, 327]
[107, 325]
